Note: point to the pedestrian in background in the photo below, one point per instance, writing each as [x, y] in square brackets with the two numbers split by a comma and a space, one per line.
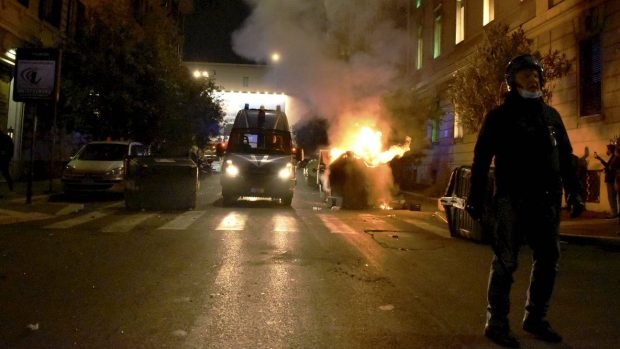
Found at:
[610, 179]
[6, 154]
[533, 162]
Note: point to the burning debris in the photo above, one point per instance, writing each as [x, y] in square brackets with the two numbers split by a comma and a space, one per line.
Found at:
[361, 176]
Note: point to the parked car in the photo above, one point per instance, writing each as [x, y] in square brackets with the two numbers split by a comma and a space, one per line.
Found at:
[99, 167]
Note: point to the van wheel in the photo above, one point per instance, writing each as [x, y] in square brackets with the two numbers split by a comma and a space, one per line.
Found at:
[286, 200]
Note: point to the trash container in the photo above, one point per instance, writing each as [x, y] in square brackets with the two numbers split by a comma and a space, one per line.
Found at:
[460, 222]
[160, 183]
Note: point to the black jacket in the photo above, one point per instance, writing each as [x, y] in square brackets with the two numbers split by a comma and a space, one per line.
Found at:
[6, 147]
[531, 149]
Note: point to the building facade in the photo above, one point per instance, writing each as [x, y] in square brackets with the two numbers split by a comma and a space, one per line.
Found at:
[444, 32]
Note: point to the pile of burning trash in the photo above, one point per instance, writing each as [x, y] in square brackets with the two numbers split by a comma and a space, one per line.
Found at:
[360, 177]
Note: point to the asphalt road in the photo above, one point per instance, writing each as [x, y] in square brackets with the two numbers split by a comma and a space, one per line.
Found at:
[260, 275]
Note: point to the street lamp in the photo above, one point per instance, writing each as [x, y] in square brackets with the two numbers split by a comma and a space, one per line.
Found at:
[275, 57]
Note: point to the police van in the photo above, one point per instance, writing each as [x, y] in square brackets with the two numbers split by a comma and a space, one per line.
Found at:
[259, 159]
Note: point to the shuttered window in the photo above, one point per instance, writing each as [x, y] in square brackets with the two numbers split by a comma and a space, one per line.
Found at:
[590, 76]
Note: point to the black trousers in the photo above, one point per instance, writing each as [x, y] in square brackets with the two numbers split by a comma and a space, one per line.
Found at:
[534, 221]
[4, 169]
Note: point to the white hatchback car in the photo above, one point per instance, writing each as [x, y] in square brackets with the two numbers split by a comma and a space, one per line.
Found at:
[99, 166]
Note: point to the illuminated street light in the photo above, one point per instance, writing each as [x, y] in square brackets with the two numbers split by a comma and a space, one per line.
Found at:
[275, 57]
[196, 73]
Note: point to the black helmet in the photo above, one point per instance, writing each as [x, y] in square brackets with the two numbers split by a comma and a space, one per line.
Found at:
[520, 63]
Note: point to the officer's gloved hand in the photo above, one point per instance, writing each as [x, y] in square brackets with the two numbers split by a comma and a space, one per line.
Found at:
[576, 204]
[474, 208]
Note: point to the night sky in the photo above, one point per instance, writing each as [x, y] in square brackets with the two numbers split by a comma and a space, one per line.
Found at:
[208, 30]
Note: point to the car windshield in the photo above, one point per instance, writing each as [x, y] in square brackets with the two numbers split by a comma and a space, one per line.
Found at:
[259, 142]
[103, 152]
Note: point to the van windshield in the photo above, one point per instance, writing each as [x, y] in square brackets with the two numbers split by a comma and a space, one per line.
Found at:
[259, 142]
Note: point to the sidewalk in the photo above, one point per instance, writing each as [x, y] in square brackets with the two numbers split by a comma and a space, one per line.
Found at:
[590, 227]
[14, 209]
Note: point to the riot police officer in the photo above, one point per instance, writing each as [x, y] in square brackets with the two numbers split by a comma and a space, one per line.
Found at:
[532, 153]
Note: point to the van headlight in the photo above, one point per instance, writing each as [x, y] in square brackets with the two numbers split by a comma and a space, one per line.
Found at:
[286, 172]
[231, 170]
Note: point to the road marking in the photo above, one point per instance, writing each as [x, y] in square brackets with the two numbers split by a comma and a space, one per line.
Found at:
[282, 223]
[335, 225]
[71, 208]
[183, 221]
[426, 226]
[233, 221]
[127, 223]
[68, 223]
[11, 217]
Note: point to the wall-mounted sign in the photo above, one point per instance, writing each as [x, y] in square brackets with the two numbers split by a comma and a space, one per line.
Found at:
[37, 75]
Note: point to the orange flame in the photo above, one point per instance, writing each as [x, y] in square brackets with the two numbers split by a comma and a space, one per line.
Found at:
[368, 145]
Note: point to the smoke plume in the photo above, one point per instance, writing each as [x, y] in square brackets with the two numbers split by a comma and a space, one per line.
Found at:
[338, 57]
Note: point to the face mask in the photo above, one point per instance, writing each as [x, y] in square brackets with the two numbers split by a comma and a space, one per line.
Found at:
[528, 94]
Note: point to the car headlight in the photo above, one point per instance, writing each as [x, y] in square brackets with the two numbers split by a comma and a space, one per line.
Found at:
[286, 172]
[231, 170]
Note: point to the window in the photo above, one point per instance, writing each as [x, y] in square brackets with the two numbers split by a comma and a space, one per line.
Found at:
[590, 76]
[49, 11]
[460, 21]
[435, 131]
[437, 35]
[458, 126]
[420, 55]
[488, 11]
[246, 81]
[418, 3]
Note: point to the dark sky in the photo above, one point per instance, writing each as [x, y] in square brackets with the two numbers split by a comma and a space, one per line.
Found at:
[208, 30]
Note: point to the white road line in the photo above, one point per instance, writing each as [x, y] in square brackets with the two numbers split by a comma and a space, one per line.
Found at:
[11, 217]
[127, 223]
[233, 221]
[183, 221]
[71, 208]
[426, 226]
[68, 223]
[335, 225]
[282, 223]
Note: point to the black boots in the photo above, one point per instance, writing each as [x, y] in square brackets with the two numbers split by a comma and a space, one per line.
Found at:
[502, 336]
[542, 330]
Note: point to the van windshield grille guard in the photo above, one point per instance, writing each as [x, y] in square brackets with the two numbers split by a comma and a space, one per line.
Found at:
[254, 141]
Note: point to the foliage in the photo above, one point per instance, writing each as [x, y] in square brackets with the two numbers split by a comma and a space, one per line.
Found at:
[479, 86]
[123, 78]
[310, 135]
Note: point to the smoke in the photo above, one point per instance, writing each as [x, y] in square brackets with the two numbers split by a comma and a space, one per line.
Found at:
[338, 57]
